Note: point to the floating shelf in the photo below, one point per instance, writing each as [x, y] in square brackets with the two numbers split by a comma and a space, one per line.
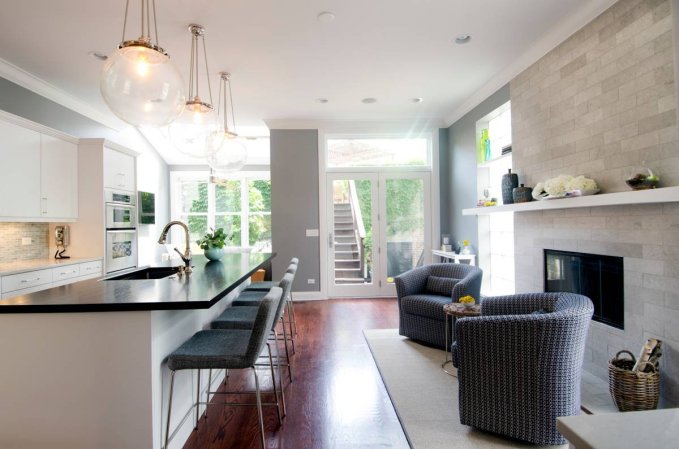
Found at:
[661, 195]
[490, 162]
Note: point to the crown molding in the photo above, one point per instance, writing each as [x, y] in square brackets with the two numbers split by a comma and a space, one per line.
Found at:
[562, 31]
[27, 80]
[42, 129]
[418, 123]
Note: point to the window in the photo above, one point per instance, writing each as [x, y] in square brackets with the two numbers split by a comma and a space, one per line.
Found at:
[378, 152]
[241, 205]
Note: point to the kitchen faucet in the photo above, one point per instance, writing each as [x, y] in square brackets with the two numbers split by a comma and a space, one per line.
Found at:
[186, 257]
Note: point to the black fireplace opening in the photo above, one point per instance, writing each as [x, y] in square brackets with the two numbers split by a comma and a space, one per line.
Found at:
[598, 277]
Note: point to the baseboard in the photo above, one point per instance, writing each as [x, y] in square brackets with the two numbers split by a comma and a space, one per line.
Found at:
[308, 296]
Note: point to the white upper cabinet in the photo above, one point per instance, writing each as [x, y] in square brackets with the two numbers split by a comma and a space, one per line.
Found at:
[38, 173]
[19, 171]
[58, 178]
[119, 170]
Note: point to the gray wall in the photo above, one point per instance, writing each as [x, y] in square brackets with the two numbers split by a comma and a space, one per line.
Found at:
[294, 204]
[29, 105]
[462, 168]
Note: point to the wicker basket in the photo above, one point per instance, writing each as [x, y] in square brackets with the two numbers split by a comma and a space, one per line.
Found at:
[632, 390]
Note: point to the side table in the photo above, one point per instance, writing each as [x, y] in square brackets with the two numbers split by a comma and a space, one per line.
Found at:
[453, 311]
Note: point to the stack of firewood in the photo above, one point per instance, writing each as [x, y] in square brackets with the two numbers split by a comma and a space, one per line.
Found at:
[649, 356]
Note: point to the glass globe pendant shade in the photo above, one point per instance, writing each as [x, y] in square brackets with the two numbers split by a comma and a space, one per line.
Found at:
[142, 86]
[230, 158]
[196, 132]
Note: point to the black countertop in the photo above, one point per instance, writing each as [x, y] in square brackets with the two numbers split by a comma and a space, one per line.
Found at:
[209, 282]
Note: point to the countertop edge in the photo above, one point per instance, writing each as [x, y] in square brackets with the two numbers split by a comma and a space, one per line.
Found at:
[131, 306]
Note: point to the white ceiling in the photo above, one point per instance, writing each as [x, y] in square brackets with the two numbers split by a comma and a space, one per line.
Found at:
[283, 59]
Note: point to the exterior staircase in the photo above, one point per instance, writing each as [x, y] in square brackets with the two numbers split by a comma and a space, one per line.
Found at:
[348, 269]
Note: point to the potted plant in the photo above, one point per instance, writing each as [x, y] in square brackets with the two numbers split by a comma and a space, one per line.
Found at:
[212, 243]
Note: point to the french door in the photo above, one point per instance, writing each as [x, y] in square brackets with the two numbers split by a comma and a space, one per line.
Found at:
[379, 226]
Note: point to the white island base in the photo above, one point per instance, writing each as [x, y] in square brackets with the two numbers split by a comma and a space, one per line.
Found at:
[95, 380]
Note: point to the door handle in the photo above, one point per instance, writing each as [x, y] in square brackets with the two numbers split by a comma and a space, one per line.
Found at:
[330, 240]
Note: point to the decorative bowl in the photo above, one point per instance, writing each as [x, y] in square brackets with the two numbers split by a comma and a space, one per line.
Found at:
[641, 178]
[468, 305]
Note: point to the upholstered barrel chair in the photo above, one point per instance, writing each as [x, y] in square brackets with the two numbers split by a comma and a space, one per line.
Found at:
[424, 290]
[520, 362]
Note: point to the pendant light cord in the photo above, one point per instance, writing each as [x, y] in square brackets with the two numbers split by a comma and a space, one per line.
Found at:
[207, 70]
[127, 7]
[147, 10]
[233, 114]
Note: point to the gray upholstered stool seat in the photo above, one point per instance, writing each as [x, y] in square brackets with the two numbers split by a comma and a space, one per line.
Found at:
[236, 317]
[266, 285]
[262, 285]
[213, 349]
[249, 298]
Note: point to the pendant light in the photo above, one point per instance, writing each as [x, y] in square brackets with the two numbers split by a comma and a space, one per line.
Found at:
[232, 154]
[139, 82]
[195, 132]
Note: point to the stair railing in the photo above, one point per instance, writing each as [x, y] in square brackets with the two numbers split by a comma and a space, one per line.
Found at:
[359, 227]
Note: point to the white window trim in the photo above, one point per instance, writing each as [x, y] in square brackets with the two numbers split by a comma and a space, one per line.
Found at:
[364, 131]
[202, 176]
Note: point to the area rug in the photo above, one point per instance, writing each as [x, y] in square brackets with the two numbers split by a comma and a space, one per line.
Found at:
[424, 397]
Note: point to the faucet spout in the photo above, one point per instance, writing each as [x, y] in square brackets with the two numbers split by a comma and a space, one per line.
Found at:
[186, 256]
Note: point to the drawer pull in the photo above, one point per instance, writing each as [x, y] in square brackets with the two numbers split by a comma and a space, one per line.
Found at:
[24, 281]
[64, 273]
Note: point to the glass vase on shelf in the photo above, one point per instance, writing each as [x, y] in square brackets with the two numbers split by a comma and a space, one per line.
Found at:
[465, 249]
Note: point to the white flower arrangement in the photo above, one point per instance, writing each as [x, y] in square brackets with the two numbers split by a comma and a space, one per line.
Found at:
[565, 185]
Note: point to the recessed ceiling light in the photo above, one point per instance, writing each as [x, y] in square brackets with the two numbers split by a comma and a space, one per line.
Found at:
[417, 100]
[100, 55]
[369, 100]
[321, 100]
[462, 38]
[325, 17]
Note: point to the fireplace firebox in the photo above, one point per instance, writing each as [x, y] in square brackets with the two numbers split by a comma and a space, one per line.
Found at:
[598, 277]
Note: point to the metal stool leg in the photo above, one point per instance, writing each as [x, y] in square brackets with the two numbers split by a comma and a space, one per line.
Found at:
[259, 408]
[197, 401]
[169, 410]
[292, 308]
[209, 385]
[273, 382]
[287, 354]
[280, 370]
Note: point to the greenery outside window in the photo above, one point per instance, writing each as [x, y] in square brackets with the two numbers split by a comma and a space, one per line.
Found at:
[241, 205]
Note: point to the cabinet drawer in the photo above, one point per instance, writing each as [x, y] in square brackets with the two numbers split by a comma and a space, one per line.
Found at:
[90, 268]
[25, 291]
[65, 272]
[26, 280]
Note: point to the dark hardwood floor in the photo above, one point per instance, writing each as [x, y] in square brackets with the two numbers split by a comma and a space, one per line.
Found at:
[336, 400]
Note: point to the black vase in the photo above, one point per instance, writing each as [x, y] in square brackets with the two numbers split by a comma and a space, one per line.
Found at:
[523, 194]
[509, 182]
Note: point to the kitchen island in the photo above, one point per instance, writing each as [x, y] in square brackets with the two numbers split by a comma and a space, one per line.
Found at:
[84, 364]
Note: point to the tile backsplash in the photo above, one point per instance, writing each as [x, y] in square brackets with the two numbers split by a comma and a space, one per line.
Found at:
[12, 250]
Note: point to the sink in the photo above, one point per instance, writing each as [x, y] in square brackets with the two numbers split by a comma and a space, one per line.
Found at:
[145, 273]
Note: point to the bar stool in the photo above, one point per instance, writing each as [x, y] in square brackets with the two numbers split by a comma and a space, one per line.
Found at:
[266, 285]
[252, 298]
[227, 349]
[243, 316]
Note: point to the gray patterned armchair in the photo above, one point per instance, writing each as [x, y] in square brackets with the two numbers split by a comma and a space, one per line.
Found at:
[423, 291]
[519, 363]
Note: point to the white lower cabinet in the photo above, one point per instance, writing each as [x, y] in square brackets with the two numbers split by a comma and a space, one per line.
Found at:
[36, 280]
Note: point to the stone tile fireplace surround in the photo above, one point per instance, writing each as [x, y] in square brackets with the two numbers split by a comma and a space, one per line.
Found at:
[601, 101]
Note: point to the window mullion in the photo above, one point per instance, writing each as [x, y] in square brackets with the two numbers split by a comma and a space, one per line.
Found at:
[211, 205]
[245, 209]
